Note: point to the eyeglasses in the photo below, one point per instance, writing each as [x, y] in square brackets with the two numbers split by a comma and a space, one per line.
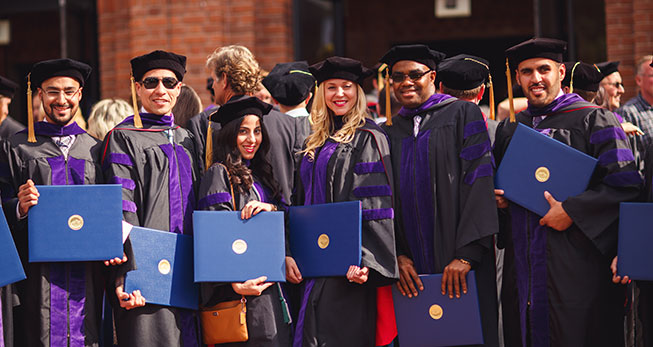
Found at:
[67, 93]
[616, 84]
[413, 75]
[153, 82]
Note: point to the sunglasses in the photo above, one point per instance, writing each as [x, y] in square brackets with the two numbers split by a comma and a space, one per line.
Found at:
[413, 75]
[153, 82]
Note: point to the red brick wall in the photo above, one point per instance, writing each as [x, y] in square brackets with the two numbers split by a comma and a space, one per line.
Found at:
[629, 24]
[194, 28]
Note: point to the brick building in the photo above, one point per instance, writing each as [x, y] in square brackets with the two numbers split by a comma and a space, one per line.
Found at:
[108, 33]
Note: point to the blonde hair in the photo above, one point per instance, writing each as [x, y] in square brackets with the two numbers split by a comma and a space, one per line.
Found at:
[238, 65]
[105, 115]
[322, 121]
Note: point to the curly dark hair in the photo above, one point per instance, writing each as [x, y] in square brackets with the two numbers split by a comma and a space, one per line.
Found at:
[226, 152]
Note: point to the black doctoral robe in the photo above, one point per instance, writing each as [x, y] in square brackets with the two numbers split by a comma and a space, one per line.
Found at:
[268, 321]
[8, 299]
[557, 288]
[61, 303]
[334, 311]
[444, 203]
[645, 303]
[9, 127]
[158, 169]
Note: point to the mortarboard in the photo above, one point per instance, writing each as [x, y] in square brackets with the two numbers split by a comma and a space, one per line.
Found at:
[7, 87]
[419, 53]
[236, 108]
[582, 76]
[465, 72]
[154, 60]
[608, 67]
[289, 83]
[340, 67]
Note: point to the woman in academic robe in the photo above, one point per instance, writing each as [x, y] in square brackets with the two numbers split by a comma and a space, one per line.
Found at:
[241, 179]
[346, 158]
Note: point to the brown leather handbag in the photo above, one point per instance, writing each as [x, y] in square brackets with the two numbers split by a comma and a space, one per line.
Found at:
[224, 322]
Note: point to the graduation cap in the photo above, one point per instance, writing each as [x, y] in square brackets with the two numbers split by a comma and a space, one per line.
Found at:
[46, 69]
[608, 67]
[289, 83]
[582, 76]
[340, 67]
[7, 87]
[154, 60]
[466, 72]
[419, 53]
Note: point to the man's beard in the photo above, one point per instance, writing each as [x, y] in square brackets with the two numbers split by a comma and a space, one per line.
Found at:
[59, 121]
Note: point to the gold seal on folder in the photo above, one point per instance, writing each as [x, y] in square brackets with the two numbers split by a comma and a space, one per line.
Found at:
[164, 267]
[323, 241]
[75, 222]
[542, 174]
[239, 246]
[435, 311]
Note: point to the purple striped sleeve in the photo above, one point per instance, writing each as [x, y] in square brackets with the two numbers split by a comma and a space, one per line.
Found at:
[369, 167]
[615, 155]
[473, 128]
[118, 158]
[368, 191]
[483, 170]
[379, 213]
[620, 179]
[128, 206]
[213, 199]
[475, 151]
[126, 182]
[607, 134]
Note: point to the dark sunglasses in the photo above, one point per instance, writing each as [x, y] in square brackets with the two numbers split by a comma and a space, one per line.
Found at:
[413, 75]
[617, 84]
[153, 82]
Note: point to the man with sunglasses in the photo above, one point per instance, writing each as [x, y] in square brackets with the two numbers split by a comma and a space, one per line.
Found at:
[156, 163]
[444, 206]
[59, 302]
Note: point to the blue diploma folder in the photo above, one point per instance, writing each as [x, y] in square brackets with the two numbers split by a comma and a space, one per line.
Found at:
[431, 319]
[12, 269]
[635, 240]
[325, 239]
[164, 273]
[230, 249]
[534, 163]
[76, 223]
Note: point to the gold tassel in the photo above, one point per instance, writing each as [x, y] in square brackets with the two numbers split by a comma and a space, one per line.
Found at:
[492, 111]
[30, 112]
[510, 100]
[571, 79]
[388, 111]
[209, 146]
[137, 116]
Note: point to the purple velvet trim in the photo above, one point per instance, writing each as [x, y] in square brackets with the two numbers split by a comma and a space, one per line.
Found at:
[621, 179]
[476, 151]
[58, 169]
[369, 167]
[58, 305]
[539, 296]
[620, 119]
[473, 128]
[126, 182]
[379, 213]
[306, 175]
[368, 191]
[128, 206]
[214, 199]
[416, 195]
[76, 170]
[151, 119]
[118, 158]
[77, 298]
[174, 192]
[319, 181]
[299, 329]
[615, 155]
[261, 192]
[546, 132]
[483, 170]
[188, 194]
[49, 129]
[2, 332]
[432, 101]
[607, 134]
[556, 105]
[188, 328]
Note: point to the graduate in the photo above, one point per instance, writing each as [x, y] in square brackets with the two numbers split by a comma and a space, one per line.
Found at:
[558, 266]
[345, 159]
[242, 169]
[291, 86]
[8, 125]
[61, 303]
[156, 163]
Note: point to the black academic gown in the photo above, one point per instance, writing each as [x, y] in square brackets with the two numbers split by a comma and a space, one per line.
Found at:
[268, 321]
[645, 303]
[338, 312]
[159, 188]
[445, 199]
[287, 135]
[9, 127]
[557, 288]
[8, 299]
[76, 288]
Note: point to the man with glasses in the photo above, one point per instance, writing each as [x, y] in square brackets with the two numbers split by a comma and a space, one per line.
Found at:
[55, 151]
[156, 163]
[444, 206]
